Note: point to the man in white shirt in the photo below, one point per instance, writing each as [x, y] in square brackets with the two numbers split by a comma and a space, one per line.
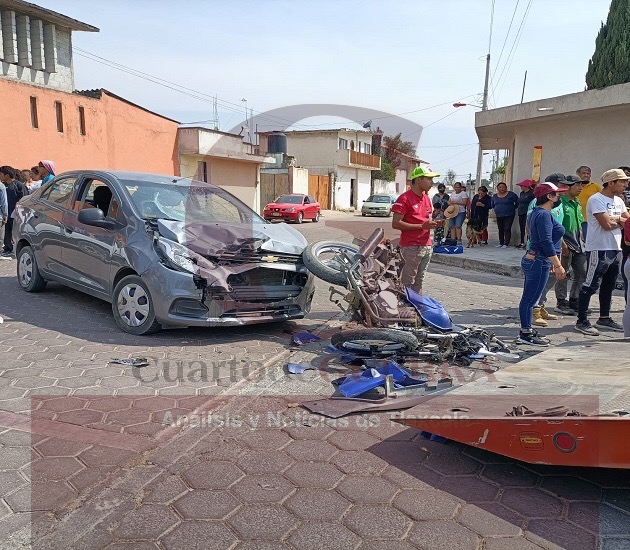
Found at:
[605, 214]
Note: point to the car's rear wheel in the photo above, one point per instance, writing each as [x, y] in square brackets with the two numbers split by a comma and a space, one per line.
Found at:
[316, 218]
[300, 217]
[132, 306]
[29, 277]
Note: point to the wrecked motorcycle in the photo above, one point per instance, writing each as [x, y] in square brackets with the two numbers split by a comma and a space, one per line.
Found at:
[396, 320]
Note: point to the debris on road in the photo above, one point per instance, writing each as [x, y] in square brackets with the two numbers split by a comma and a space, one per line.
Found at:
[131, 362]
[358, 383]
[301, 338]
[299, 368]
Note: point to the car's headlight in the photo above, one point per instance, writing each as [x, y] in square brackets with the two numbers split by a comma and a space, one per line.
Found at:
[290, 210]
[177, 255]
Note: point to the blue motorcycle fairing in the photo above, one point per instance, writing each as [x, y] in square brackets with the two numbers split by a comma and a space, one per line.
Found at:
[430, 311]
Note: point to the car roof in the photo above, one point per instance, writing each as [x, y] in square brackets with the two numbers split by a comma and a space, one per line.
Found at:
[137, 176]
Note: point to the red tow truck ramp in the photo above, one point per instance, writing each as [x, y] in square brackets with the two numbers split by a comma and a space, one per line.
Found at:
[566, 406]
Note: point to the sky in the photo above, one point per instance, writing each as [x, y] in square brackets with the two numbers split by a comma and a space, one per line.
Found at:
[413, 57]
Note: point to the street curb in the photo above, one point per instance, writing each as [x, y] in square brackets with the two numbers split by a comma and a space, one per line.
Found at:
[460, 260]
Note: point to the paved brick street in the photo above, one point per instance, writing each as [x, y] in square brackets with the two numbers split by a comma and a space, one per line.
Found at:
[90, 459]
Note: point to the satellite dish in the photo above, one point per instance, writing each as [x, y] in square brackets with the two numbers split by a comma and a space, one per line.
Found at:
[368, 124]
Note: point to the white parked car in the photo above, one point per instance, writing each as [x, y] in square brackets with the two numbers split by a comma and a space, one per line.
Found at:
[378, 205]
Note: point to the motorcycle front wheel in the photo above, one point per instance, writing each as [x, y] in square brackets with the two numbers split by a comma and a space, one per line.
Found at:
[321, 260]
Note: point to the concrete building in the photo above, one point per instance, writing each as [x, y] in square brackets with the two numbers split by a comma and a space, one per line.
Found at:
[222, 159]
[48, 119]
[591, 128]
[36, 45]
[343, 155]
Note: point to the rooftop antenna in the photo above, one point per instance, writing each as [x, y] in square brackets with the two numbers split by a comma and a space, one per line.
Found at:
[368, 125]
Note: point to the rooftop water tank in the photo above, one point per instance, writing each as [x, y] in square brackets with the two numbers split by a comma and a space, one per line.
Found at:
[276, 143]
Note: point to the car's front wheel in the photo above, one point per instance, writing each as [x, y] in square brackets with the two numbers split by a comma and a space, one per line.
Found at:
[300, 218]
[133, 307]
[29, 277]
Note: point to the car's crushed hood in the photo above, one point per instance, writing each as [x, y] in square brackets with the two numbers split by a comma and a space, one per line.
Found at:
[216, 239]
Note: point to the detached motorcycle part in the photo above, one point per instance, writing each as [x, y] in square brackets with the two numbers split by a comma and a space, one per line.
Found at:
[323, 258]
[374, 340]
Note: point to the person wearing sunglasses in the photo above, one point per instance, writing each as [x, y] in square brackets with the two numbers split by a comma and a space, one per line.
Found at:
[541, 257]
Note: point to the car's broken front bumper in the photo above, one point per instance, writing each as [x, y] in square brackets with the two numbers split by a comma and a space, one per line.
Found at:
[181, 299]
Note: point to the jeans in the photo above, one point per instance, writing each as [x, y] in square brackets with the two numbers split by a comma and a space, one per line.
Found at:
[626, 313]
[522, 222]
[504, 223]
[417, 260]
[8, 237]
[536, 273]
[624, 276]
[458, 220]
[576, 261]
[602, 269]
[551, 283]
[584, 228]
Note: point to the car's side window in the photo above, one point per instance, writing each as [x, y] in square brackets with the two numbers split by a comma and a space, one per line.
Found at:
[306, 201]
[312, 199]
[97, 194]
[60, 192]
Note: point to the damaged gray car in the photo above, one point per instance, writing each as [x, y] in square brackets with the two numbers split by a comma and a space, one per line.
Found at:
[165, 251]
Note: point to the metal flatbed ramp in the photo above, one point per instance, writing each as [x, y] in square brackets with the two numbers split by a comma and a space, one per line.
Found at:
[589, 379]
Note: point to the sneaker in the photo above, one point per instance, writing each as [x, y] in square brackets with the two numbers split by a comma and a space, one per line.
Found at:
[520, 246]
[565, 309]
[484, 243]
[586, 328]
[498, 246]
[531, 339]
[608, 324]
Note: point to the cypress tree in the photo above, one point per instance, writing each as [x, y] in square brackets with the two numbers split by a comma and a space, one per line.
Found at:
[610, 63]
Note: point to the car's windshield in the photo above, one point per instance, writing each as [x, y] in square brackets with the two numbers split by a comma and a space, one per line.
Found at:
[188, 201]
[290, 199]
[379, 198]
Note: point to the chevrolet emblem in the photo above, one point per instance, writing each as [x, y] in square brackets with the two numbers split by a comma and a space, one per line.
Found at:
[269, 258]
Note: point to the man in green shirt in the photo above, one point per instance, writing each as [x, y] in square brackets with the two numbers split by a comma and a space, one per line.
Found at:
[573, 254]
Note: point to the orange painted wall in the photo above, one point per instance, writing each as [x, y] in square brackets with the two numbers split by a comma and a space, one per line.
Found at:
[119, 136]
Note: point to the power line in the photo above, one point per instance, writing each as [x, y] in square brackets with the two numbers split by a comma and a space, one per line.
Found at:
[227, 105]
[455, 155]
[510, 56]
[507, 35]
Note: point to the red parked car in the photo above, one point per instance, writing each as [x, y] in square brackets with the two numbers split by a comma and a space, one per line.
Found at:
[293, 208]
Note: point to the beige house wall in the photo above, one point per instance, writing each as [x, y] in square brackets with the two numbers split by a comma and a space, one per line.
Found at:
[239, 178]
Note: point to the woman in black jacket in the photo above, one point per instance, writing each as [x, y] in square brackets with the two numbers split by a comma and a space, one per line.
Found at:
[524, 200]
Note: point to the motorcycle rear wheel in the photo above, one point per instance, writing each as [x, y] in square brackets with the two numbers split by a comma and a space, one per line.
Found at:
[374, 340]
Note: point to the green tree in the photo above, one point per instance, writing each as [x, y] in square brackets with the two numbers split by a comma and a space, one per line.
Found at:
[394, 147]
[610, 63]
[386, 173]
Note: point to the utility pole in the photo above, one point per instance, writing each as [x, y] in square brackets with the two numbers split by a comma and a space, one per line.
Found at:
[484, 107]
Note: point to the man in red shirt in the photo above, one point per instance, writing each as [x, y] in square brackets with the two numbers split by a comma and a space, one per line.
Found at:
[412, 216]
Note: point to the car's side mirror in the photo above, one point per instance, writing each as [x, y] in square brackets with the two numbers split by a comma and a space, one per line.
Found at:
[95, 218]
